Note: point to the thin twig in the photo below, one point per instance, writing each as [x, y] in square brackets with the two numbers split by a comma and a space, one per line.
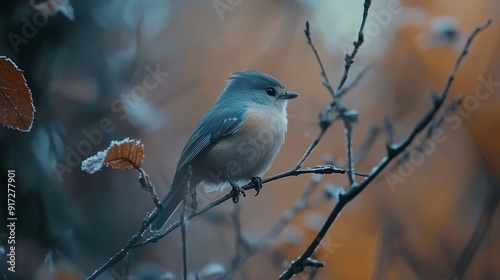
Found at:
[393, 151]
[348, 116]
[349, 58]
[148, 186]
[134, 240]
[313, 145]
[346, 89]
[320, 169]
[350, 172]
[184, 228]
[300, 205]
[325, 120]
[327, 83]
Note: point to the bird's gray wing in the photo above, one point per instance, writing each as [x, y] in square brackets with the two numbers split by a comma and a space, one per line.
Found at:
[215, 125]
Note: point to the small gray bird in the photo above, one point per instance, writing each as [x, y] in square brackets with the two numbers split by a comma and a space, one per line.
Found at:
[235, 142]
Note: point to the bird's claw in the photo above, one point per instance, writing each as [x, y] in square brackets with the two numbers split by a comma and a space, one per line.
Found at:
[236, 192]
[257, 183]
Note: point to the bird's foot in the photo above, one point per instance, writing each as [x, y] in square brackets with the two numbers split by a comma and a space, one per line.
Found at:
[236, 191]
[257, 183]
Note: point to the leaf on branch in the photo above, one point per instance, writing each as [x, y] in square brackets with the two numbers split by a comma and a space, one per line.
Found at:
[16, 103]
[125, 154]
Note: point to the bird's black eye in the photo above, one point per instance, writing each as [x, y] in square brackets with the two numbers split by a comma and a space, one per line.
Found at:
[271, 91]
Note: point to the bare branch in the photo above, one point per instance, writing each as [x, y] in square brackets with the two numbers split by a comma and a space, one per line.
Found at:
[148, 186]
[320, 169]
[349, 117]
[393, 151]
[348, 135]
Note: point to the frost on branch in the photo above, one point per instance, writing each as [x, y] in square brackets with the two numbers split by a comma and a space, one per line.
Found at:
[125, 154]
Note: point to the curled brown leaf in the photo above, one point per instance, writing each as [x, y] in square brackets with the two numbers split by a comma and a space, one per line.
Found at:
[124, 154]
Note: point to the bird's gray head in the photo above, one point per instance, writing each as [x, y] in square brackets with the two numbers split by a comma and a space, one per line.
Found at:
[254, 86]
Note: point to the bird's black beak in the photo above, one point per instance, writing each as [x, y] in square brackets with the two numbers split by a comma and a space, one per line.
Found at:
[288, 95]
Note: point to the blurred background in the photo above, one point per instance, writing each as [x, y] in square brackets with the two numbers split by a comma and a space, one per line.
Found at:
[434, 216]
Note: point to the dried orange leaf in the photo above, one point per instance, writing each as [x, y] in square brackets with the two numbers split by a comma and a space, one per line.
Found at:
[125, 154]
[16, 104]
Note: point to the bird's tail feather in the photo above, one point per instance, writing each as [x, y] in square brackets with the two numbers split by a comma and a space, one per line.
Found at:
[170, 203]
